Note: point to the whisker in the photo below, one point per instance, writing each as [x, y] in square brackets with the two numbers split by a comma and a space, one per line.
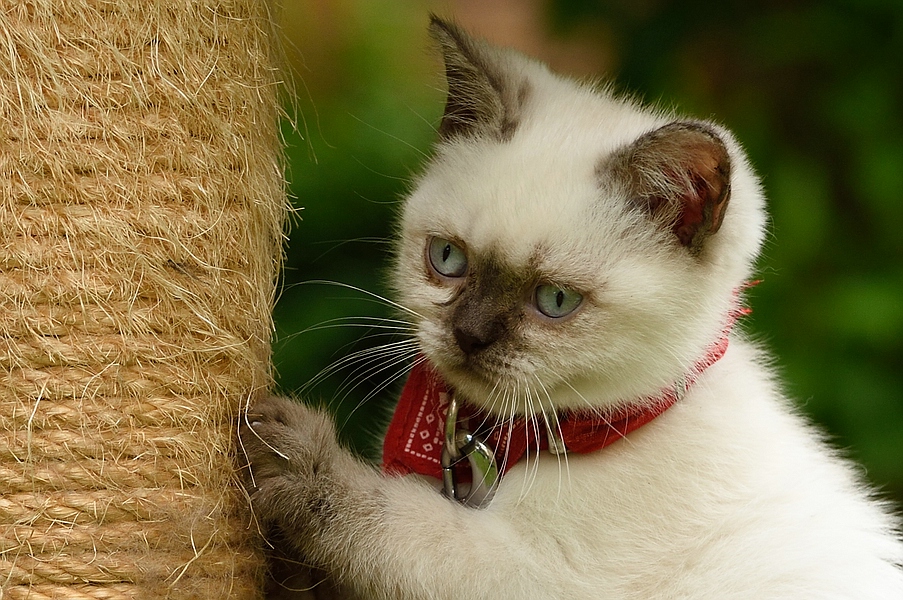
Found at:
[382, 299]
[375, 322]
[529, 421]
[373, 363]
[387, 329]
[513, 416]
[336, 244]
[505, 401]
[359, 356]
[391, 136]
[352, 358]
[557, 425]
[389, 381]
[536, 430]
[354, 379]
[595, 410]
[359, 377]
[496, 411]
[422, 118]
[489, 413]
[600, 413]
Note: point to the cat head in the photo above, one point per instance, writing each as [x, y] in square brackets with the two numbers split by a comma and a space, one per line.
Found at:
[565, 246]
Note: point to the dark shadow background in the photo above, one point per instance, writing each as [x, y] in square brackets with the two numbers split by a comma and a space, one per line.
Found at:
[813, 89]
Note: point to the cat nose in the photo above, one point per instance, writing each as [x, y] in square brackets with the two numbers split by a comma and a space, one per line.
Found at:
[470, 342]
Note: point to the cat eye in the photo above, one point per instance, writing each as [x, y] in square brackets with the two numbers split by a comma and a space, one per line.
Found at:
[556, 302]
[447, 258]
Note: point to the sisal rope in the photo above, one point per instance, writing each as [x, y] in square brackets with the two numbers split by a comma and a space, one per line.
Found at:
[141, 213]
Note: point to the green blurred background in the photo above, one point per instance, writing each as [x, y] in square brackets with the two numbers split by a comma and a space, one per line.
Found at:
[813, 89]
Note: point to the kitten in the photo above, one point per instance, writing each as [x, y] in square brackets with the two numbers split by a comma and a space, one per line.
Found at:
[575, 263]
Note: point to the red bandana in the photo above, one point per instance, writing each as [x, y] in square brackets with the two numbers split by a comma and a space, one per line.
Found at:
[415, 437]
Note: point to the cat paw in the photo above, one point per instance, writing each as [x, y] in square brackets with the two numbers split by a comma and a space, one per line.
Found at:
[285, 447]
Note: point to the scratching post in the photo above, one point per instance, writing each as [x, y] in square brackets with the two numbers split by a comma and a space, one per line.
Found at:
[141, 211]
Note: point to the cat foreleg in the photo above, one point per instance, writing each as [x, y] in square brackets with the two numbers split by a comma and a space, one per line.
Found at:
[387, 537]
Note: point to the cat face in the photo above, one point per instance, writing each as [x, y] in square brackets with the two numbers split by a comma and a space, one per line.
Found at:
[566, 248]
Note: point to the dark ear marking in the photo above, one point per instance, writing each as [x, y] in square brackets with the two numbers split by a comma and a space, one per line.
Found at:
[680, 174]
[481, 100]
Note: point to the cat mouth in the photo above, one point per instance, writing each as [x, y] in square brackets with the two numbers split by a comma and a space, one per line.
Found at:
[470, 372]
[481, 379]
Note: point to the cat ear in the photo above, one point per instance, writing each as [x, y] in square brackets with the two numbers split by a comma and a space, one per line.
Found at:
[679, 173]
[482, 99]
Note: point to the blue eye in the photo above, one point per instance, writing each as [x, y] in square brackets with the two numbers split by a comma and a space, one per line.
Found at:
[447, 258]
[556, 302]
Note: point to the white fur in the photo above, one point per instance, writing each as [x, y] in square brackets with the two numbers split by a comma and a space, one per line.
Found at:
[539, 191]
[729, 494]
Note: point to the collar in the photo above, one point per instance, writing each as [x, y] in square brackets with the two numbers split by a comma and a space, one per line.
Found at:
[415, 436]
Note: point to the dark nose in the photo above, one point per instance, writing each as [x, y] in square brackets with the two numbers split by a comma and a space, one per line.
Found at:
[470, 341]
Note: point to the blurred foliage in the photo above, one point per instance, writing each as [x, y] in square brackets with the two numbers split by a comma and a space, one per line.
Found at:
[814, 90]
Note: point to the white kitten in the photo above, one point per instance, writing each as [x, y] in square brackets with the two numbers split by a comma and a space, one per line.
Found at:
[575, 260]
